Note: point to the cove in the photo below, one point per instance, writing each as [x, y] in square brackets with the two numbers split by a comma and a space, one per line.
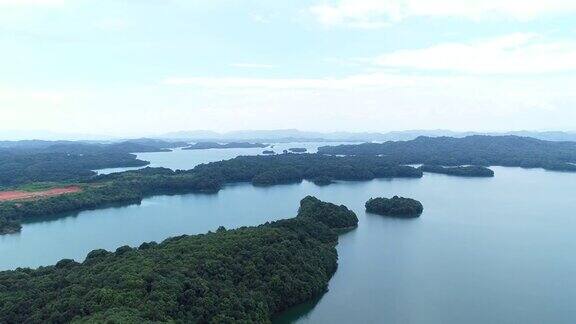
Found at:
[188, 159]
[484, 250]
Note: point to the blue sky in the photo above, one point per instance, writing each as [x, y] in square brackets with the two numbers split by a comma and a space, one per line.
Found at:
[141, 67]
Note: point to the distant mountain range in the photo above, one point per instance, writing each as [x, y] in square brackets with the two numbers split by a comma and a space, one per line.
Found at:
[282, 135]
[294, 135]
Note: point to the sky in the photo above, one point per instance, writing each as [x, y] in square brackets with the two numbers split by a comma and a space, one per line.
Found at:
[142, 67]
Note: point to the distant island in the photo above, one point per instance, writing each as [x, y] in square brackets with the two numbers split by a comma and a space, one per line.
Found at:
[246, 275]
[24, 162]
[268, 152]
[511, 151]
[395, 206]
[263, 170]
[215, 145]
[298, 150]
[460, 171]
[323, 180]
[39, 168]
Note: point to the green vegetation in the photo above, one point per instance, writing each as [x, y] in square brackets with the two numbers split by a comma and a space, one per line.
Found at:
[297, 150]
[38, 186]
[8, 226]
[472, 150]
[214, 145]
[133, 186]
[245, 275]
[26, 162]
[21, 168]
[323, 180]
[395, 206]
[336, 217]
[460, 171]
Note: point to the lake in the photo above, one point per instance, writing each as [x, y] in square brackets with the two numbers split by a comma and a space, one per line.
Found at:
[492, 250]
[188, 159]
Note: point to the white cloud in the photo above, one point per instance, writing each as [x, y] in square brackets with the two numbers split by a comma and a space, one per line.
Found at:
[29, 3]
[510, 54]
[362, 80]
[385, 101]
[378, 13]
[252, 65]
[111, 24]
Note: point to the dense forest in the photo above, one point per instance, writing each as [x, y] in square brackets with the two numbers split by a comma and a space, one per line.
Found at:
[472, 150]
[20, 168]
[215, 145]
[459, 171]
[245, 275]
[90, 147]
[395, 206]
[133, 186]
[38, 161]
[297, 150]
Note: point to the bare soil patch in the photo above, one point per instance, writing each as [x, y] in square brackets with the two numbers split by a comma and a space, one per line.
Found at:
[28, 195]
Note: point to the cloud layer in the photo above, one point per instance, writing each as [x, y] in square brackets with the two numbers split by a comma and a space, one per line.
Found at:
[520, 53]
[379, 13]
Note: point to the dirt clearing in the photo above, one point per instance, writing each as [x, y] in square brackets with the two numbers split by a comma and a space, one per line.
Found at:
[27, 195]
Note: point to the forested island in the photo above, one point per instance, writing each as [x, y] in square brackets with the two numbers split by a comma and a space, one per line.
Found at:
[298, 150]
[16, 168]
[39, 161]
[472, 150]
[215, 145]
[370, 161]
[323, 180]
[459, 171]
[395, 206]
[133, 186]
[244, 275]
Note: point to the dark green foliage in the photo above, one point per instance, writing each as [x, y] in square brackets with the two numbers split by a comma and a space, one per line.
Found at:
[338, 217]
[132, 186]
[283, 174]
[214, 145]
[297, 150]
[460, 171]
[323, 180]
[399, 171]
[472, 150]
[19, 168]
[33, 161]
[395, 206]
[245, 275]
[9, 225]
[295, 167]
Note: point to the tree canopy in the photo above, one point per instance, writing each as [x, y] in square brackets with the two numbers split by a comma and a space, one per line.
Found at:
[472, 150]
[395, 206]
[230, 276]
[460, 171]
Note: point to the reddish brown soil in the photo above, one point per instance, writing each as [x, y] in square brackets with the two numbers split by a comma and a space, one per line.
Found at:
[27, 195]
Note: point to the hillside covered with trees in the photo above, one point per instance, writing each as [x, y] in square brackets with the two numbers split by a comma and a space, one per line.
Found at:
[459, 171]
[133, 186]
[24, 162]
[395, 206]
[245, 275]
[472, 150]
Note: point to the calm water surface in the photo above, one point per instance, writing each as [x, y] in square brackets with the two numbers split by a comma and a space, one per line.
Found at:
[188, 159]
[497, 250]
